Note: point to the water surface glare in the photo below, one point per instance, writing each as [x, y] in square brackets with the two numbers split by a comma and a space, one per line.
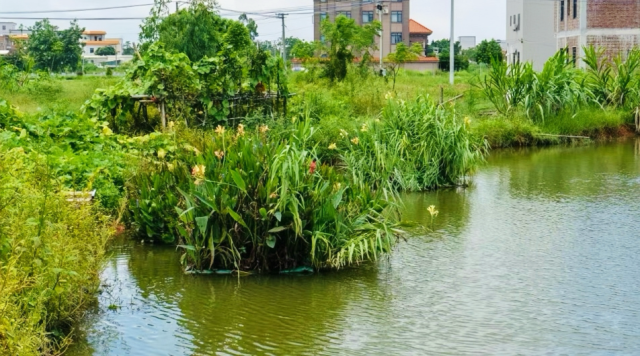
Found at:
[539, 256]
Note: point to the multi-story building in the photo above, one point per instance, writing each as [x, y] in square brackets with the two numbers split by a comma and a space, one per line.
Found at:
[395, 18]
[612, 25]
[93, 40]
[530, 31]
[6, 28]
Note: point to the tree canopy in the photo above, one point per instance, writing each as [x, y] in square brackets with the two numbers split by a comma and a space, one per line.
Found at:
[197, 31]
[344, 40]
[106, 51]
[443, 46]
[53, 49]
[488, 51]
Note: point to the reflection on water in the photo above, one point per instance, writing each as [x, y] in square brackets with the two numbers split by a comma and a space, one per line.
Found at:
[539, 255]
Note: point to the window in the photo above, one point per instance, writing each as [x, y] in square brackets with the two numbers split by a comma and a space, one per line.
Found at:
[568, 8]
[574, 54]
[396, 37]
[561, 10]
[345, 13]
[4, 28]
[367, 16]
[575, 8]
[323, 15]
[396, 16]
[91, 50]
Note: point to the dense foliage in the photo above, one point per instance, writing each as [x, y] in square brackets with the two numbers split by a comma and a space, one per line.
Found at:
[53, 49]
[106, 51]
[346, 40]
[50, 249]
[560, 86]
[488, 51]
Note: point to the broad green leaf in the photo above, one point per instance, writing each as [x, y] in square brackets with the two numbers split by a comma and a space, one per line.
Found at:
[202, 223]
[238, 180]
[263, 213]
[237, 218]
[278, 229]
[278, 215]
[271, 241]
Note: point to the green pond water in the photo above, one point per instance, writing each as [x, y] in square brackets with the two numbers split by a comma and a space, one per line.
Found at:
[541, 255]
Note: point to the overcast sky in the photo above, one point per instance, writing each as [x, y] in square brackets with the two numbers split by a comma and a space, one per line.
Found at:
[484, 19]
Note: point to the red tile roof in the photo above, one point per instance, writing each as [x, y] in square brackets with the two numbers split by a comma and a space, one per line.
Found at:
[416, 27]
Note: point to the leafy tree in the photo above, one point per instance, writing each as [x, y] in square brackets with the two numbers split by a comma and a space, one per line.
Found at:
[53, 49]
[345, 40]
[304, 50]
[488, 51]
[127, 49]
[402, 55]
[251, 26]
[197, 31]
[461, 62]
[106, 51]
[443, 46]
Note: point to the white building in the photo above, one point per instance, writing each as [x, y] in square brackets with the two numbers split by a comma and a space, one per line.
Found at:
[530, 31]
[6, 28]
[96, 39]
[467, 42]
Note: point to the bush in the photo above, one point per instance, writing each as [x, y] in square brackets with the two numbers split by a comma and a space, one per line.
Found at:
[109, 72]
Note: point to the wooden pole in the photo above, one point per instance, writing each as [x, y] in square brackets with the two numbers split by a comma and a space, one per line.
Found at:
[164, 117]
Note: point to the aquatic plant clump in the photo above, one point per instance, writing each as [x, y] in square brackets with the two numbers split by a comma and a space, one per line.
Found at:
[415, 146]
[256, 201]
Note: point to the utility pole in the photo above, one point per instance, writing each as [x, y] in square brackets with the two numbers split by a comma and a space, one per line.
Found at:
[177, 6]
[380, 7]
[283, 49]
[452, 53]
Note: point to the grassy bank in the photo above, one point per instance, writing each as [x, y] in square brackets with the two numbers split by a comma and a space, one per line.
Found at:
[50, 255]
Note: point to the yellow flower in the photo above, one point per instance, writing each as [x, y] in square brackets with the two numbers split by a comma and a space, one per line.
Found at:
[467, 121]
[198, 173]
[432, 210]
[219, 154]
[273, 195]
[241, 130]
[219, 130]
[161, 153]
[171, 125]
[364, 128]
[107, 131]
[333, 146]
[344, 133]
[170, 166]
[264, 129]
[355, 140]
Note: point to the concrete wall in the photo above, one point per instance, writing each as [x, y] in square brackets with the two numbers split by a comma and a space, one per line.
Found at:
[422, 66]
[6, 27]
[533, 35]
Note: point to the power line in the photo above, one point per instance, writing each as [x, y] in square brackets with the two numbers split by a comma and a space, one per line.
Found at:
[75, 18]
[74, 10]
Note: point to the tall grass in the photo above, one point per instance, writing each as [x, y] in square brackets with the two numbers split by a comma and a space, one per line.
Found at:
[50, 254]
[414, 146]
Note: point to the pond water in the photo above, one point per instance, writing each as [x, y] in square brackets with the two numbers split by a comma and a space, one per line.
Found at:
[540, 255]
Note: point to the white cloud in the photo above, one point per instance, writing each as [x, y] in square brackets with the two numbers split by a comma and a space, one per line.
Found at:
[481, 18]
